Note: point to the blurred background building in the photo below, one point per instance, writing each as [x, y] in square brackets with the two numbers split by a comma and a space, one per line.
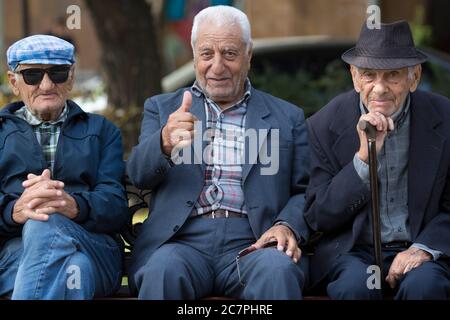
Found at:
[134, 49]
[173, 19]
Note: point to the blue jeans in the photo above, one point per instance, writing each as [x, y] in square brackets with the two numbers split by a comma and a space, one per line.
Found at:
[59, 259]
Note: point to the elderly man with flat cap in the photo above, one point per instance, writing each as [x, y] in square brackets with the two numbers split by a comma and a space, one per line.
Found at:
[413, 153]
[61, 199]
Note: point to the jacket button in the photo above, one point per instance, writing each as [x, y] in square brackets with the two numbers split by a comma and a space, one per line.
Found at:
[157, 171]
[175, 229]
[189, 203]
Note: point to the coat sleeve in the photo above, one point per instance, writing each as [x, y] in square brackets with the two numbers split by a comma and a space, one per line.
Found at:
[335, 194]
[147, 165]
[104, 208]
[8, 228]
[435, 233]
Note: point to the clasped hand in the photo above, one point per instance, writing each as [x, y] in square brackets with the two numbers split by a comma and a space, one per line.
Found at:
[42, 197]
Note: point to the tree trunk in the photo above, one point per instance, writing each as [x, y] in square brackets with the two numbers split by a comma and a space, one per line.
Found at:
[130, 57]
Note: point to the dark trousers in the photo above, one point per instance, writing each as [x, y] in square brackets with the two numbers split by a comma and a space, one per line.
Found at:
[201, 260]
[348, 277]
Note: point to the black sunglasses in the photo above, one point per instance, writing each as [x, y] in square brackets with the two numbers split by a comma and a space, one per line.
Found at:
[34, 76]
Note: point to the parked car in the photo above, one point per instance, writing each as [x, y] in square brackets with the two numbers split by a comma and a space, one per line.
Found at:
[308, 71]
[281, 52]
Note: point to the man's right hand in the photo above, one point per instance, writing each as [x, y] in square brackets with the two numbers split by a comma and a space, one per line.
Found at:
[179, 130]
[382, 123]
[36, 187]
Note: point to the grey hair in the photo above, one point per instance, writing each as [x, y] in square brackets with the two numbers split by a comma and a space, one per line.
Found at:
[222, 16]
[411, 73]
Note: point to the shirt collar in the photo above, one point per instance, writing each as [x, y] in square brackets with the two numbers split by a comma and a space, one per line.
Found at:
[399, 116]
[29, 117]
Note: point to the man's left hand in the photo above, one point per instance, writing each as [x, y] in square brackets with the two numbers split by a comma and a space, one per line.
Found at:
[65, 205]
[285, 239]
[404, 262]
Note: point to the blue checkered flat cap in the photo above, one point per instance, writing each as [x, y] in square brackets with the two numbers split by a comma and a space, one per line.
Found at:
[40, 49]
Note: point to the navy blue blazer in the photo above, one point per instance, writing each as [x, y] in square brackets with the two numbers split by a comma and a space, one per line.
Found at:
[269, 198]
[337, 200]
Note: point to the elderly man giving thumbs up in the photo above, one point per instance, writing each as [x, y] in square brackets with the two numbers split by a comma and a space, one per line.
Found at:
[211, 222]
[179, 130]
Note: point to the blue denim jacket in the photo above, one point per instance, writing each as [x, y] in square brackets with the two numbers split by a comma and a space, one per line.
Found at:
[89, 160]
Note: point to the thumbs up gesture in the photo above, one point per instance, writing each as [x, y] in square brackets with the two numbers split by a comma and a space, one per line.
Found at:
[179, 130]
[186, 104]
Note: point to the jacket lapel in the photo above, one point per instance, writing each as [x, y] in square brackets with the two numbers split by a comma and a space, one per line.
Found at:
[257, 110]
[346, 144]
[344, 126]
[426, 145]
[198, 109]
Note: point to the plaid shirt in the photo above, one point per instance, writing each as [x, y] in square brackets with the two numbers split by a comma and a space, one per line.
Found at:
[47, 133]
[223, 173]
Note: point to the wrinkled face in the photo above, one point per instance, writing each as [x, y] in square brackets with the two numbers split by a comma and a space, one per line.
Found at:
[222, 62]
[385, 91]
[46, 99]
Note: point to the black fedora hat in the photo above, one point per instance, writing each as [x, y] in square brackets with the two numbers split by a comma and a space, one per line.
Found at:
[390, 47]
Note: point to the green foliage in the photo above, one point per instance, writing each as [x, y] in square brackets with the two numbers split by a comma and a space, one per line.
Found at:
[6, 96]
[437, 79]
[422, 33]
[129, 122]
[302, 88]
[311, 93]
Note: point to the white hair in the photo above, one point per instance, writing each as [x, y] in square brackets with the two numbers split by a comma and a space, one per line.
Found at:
[411, 73]
[225, 16]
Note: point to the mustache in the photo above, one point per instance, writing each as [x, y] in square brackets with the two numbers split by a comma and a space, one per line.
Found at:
[46, 93]
[383, 97]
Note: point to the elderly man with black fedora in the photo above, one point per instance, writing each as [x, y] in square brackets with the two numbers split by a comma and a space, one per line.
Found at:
[61, 171]
[413, 153]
